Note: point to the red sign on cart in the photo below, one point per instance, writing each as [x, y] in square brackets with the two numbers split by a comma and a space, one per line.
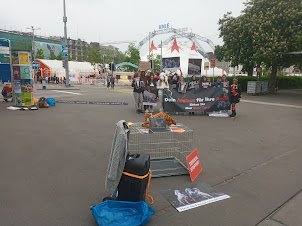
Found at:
[194, 165]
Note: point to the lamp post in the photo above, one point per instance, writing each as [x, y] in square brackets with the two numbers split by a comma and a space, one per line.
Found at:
[66, 43]
[33, 47]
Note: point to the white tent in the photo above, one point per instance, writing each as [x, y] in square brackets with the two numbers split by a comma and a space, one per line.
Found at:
[76, 69]
[185, 53]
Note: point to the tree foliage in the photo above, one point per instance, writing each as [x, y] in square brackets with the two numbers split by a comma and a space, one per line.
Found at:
[264, 34]
[157, 63]
[112, 54]
[40, 54]
[59, 56]
[132, 56]
[52, 56]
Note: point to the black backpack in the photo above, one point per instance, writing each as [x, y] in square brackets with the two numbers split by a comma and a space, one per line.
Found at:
[4, 92]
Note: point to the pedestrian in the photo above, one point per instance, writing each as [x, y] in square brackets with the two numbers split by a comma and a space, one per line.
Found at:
[218, 83]
[137, 85]
[193, 84]
[182, 85]
[108, 81]
[112, 80]
[203, 82]
[209, 81]
[156, 76]
[235, 95]
[142, 75]
[150, 93]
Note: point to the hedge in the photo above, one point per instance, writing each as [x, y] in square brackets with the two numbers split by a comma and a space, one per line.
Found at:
[283, 82]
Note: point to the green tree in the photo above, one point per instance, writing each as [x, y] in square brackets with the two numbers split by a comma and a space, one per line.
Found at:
[132, 56]
[157, 63]
[40, 54]
[52, 56]
[264, 34]
[94, 56]
[238, 47]
[59, 57]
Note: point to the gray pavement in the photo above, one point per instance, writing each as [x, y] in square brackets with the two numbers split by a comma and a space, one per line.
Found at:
[53, 161]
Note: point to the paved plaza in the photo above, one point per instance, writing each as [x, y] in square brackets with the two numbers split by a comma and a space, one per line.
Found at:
[53, 161]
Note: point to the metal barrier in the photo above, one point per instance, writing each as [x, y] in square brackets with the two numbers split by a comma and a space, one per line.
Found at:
[257, 87]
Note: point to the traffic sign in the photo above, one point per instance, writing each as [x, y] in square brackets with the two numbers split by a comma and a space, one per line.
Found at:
[212, 63]
[259, 69]
[64, 51]
[206, 65]
[4, 47]
[36, 66]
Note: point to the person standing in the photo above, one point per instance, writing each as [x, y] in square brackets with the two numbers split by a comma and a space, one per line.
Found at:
[156, 77]
[112, 80]
[235, 95]
[203, 82]
[137, 85]
[218, 83]
[193, 84]
[108, 81]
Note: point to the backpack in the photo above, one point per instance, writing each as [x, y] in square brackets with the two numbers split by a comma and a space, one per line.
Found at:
[43, 103]
[4, 92]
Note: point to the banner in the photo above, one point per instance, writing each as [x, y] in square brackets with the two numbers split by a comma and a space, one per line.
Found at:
[170, 63]
[194, 67]
[195, 100]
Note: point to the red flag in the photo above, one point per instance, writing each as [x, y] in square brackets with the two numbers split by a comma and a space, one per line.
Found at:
[153, 47]
[193, 47]
[174, 46]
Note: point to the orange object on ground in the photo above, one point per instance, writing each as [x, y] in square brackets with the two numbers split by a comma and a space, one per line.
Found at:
[194, 164]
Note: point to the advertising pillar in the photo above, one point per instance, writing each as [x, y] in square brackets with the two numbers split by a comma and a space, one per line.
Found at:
[22, 78]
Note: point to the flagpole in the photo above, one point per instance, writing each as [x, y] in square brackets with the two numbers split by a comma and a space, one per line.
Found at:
[161, 56]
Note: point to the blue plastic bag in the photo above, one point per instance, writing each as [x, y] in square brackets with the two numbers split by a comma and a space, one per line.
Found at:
[122, 213]
[51, 101]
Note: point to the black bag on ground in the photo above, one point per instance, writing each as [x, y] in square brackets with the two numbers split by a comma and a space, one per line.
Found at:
[135, 178]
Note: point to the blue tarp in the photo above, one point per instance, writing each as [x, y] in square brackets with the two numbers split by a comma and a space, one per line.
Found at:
[5, 73]
[51, 101]
[122, 213]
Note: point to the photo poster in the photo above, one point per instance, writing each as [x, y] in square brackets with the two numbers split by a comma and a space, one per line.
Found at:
[188, 197]
[150, 95]
[48, 48]
[22, 78]
[171, 63]
[194, 67]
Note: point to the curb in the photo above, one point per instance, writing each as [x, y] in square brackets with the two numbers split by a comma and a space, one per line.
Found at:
[60, 89]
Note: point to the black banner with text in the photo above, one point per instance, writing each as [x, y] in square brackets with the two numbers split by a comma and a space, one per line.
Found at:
[196, 100]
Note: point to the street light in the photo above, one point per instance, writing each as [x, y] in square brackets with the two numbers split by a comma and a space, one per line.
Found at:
[33, 46]
[66, 43]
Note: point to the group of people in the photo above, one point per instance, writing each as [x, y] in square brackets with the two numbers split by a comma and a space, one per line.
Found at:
[142, 81]
[148, 82]
[110, 81]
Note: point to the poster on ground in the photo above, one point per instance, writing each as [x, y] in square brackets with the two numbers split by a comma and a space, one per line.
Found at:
[188, 197]
[171, 63]
[194, 67]
[195, 100]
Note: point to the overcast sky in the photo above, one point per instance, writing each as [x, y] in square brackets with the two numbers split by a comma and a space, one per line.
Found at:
[117, 20]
